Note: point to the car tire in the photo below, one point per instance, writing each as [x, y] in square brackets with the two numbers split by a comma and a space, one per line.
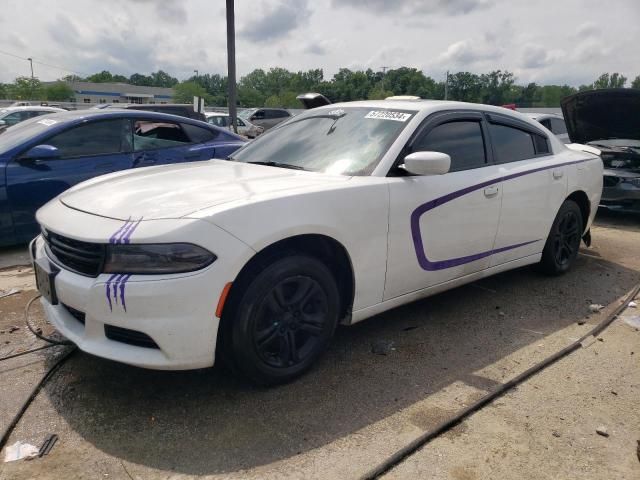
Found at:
[283, 320]
[563, 242]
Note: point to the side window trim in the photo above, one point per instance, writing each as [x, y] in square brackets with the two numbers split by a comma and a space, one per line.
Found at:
[439, 118]
[504, 121]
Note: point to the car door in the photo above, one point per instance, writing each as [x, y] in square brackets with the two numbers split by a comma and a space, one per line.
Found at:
[160, 142]
[85, 151]
[443, 227]
[534, 186]
[259, 118]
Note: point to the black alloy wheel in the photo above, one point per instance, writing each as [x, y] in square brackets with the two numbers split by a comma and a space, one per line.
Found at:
[282, 320]
[563, 243]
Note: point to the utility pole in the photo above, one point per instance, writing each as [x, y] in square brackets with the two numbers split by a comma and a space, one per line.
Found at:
[231, 64]
[384, 74]
[31, 64]
[196, 72]
[446, 85]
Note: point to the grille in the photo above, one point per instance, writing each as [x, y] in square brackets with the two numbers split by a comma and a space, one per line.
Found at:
[77, 314]
[130, 337]
[81, 257]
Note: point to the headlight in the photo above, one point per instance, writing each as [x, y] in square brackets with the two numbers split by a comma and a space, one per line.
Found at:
[156, 258]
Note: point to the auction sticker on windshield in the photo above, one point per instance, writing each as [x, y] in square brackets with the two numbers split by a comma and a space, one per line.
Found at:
[47, 121]
[388, 115]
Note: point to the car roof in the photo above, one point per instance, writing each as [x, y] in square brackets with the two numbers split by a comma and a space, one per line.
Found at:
[119, 113]
[421, 105]
[29, 108]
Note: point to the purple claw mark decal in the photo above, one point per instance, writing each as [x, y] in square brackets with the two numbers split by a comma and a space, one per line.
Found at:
[416, 234]
[114, 237]
[116, 284]
[108, 289]
[123, 284]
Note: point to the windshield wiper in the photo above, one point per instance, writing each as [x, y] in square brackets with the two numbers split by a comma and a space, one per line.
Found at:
[279, 165]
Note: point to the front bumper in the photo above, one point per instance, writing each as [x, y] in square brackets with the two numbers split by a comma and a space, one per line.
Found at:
[621, 194]
[175, 312]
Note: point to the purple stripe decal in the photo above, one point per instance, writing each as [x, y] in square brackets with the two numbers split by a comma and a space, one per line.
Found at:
[416, 234]
[127, 236]
[108, 290]
[114, 237]
[123, 284]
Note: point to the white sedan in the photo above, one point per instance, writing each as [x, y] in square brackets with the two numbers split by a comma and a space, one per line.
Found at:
[340, 213]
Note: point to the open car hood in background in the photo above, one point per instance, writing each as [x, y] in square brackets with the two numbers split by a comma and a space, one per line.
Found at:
[313, 100]
[602, 114]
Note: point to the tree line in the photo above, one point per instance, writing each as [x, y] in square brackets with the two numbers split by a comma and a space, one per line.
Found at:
[278, 87]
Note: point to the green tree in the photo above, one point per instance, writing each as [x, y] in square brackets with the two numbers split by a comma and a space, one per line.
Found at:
[636, 82]
[285, 100]
[27, 88]
[379, 93]
[163, 79]
[496, 87]
[59, 91]
[185, 91]
[103, 77]
[407, 81]
[142, 80]
[613, 80]
[465, 87]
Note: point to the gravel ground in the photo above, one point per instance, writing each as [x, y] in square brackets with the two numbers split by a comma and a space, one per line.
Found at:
[357, 407]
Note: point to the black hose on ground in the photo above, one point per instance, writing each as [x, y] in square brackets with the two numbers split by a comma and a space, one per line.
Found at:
[409, 449]
[26, 352]
[54, 368]
[35, 332]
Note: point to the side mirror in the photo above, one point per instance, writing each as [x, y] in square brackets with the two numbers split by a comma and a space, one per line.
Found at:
[427, 163]
[41, 152]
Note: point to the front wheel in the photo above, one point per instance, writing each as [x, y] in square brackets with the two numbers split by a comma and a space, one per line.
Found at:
[284, 320]
[563, 243]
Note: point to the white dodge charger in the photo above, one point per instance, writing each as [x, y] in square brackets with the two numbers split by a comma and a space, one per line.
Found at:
[338, 214]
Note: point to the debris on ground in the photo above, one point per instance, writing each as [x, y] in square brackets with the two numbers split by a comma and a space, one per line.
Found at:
[20, 450]
[412, 327]
[595, 307]
[13, 291]
[633, 321]
[633, 304]
[581, 322]
[556, 434]
[602, 431]
[48, 444]
[13, 328]
[382, 347]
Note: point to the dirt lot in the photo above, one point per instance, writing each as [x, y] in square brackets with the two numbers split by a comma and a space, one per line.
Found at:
[356, 407]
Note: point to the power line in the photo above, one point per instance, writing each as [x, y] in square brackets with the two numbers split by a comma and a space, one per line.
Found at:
[58, 67]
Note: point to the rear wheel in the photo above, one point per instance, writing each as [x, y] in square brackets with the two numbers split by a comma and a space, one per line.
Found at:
[563, 243]
[283, 321]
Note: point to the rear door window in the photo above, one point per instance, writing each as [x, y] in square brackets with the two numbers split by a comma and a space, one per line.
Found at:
[198, 134]
[96, 138]
[511, 144]
[461, 140]
[152, 134]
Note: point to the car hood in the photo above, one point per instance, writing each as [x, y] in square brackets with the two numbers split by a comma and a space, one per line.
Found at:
[602, 114]
[174, 191]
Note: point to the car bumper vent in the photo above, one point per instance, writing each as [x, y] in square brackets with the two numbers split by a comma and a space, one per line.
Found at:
[130, 337]
[81, 257]
[77, 314]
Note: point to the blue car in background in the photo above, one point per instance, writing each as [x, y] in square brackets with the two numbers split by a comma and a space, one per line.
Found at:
[42, 157]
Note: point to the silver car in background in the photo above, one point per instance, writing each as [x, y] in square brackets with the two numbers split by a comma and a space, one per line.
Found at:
[245, 128]
[553, 122]
[10, 116]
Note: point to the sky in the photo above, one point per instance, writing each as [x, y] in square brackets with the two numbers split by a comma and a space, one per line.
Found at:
[544, 41]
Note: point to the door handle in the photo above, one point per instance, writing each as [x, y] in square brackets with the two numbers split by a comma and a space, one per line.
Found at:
[491, 191]
[558, 174]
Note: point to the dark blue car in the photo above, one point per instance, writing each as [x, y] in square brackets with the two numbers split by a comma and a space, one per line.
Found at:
[42, 157]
